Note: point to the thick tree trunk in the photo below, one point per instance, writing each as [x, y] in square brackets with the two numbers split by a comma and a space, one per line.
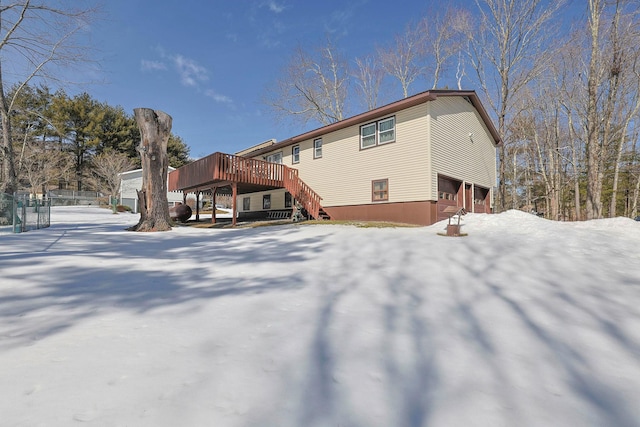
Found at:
[155, 128]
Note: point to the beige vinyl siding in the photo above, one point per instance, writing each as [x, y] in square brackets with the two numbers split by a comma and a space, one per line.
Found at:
[343, 175]
[277, 200]
[454, 153]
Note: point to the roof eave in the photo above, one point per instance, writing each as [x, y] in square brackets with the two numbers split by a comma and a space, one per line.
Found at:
[430, 95]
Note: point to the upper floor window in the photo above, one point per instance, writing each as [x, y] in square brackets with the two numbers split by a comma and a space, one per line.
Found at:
[317, 148]
[274, 158]
[378, 133]
[295, 154]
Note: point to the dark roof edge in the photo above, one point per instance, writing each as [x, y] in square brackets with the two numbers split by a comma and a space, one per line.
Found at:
[402, 104]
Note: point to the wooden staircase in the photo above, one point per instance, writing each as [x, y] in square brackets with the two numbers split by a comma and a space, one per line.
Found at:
[309, 199]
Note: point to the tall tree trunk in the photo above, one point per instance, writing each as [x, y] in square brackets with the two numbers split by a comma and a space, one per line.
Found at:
[155, 128]
[593, 151]
[8, 177]
[636, 195]
[574, 165]
[616, 178]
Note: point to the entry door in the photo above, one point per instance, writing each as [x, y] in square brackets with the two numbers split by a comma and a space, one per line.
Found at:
[468, 198]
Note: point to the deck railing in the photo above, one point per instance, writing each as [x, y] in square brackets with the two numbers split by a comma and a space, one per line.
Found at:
[221, 167]
[226, 167]
[249, 171]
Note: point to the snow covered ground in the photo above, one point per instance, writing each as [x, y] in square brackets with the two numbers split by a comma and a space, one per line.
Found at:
[524, 322]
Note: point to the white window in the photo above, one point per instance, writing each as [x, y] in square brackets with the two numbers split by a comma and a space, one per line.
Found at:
[378, 133]
[317, 148]
[274, 158]
[295, 154]
[387, 130]
[368, 135]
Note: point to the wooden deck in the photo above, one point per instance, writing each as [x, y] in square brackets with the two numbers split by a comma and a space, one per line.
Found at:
[243, 175]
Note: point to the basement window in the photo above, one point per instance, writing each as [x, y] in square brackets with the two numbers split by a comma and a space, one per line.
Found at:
[380, 190]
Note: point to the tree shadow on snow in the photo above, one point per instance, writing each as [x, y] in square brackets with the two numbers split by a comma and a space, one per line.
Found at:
[74, 273]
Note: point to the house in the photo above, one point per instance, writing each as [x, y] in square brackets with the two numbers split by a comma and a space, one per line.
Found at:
[131, 181]
[412, 161]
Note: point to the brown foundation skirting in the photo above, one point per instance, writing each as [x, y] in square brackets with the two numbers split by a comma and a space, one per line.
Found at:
[420, 213]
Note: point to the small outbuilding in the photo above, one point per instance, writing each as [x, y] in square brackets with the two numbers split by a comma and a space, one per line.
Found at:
[131, 181]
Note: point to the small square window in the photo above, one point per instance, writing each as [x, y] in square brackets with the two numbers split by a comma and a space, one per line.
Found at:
[317, 148]
[266, 201]
[246, 204]
[380, 190]
[295, 154]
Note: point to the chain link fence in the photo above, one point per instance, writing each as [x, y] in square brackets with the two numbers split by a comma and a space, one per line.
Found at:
[19, 213]
[77, 198]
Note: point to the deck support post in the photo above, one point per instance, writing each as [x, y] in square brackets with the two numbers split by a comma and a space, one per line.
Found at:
[213, 202]
[234, 196]
[197, 205]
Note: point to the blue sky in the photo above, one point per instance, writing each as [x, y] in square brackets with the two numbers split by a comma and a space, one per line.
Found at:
[207, 63]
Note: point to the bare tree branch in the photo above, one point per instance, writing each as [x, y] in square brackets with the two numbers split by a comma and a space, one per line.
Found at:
[313, 87]
[36, 39]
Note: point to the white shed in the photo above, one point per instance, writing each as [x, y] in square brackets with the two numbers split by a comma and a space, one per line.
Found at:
[132, 181]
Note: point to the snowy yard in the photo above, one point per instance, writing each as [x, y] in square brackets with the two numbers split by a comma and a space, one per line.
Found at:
[524, 322]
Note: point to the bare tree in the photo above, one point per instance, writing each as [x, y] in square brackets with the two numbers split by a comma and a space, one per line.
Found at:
[107, 167]
[35, 38]
[41, 164]
[313, 86]
[444, 37]
[403, 58]
[603, 98]
[507, 52]
[568, 74]
[630, 106]
[368, 78]
[593, 148]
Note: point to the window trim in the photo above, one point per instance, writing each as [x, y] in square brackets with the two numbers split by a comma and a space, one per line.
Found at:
[266, 198]
[295, 157]
[377, 132]
[385, 190]
[315, 148]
